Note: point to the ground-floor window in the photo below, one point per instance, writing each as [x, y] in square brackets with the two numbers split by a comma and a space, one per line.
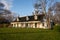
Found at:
[26, 24]
[22, 24]
[15, 25]
[42, 24]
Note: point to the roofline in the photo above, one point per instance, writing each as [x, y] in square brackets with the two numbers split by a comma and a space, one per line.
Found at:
[31, 15]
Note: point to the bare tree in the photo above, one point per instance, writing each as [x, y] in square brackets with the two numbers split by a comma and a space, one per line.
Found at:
[4, 13]
[56, 9]
[43, 6]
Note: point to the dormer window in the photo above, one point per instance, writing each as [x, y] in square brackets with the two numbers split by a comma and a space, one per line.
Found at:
[35, 17]
[27, 18]
[17, 19]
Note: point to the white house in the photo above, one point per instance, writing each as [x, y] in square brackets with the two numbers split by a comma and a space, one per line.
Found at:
[33, 21]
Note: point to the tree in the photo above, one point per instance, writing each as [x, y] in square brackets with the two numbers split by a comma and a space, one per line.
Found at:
[56, 9]
[43, 6]
[5, 14]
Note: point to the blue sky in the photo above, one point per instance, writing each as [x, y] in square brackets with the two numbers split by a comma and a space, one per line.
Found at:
[23, 7]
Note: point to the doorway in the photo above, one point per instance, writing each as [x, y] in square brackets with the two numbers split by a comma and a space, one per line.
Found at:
[35, 25]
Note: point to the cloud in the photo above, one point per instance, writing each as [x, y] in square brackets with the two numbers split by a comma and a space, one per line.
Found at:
[7, 3]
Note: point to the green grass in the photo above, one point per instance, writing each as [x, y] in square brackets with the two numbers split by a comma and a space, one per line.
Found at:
[28, 34]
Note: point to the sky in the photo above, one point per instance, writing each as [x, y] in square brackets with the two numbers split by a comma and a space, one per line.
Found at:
[23, 7]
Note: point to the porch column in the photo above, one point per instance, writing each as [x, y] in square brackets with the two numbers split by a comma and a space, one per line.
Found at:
[33, 25]
[24, 25]
[16, 25]
[38, 25]
[19, 25]
[13, 25]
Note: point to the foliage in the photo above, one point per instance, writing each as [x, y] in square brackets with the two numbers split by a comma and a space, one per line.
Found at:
[4, 25]
[57, 28]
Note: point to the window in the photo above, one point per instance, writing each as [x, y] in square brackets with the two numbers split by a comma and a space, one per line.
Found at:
[14, 25]
[42, 24]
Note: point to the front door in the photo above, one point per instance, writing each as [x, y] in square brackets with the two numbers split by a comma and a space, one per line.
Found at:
[35, 25]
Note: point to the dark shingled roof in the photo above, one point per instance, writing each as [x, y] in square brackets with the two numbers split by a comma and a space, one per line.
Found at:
[22, 19]
[31, 18]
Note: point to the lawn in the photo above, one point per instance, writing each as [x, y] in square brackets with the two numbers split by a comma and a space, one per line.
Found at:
[28, 34]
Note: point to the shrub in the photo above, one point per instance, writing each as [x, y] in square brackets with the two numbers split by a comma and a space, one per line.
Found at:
[57, 28]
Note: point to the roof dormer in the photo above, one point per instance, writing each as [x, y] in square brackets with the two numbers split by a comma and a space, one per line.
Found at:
[35, 17]
[17, 19]
[27, 18]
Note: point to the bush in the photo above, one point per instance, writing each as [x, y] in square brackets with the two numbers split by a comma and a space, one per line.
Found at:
[57, 28]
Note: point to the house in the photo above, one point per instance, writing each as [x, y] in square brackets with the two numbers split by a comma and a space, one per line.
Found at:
[33, 21]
